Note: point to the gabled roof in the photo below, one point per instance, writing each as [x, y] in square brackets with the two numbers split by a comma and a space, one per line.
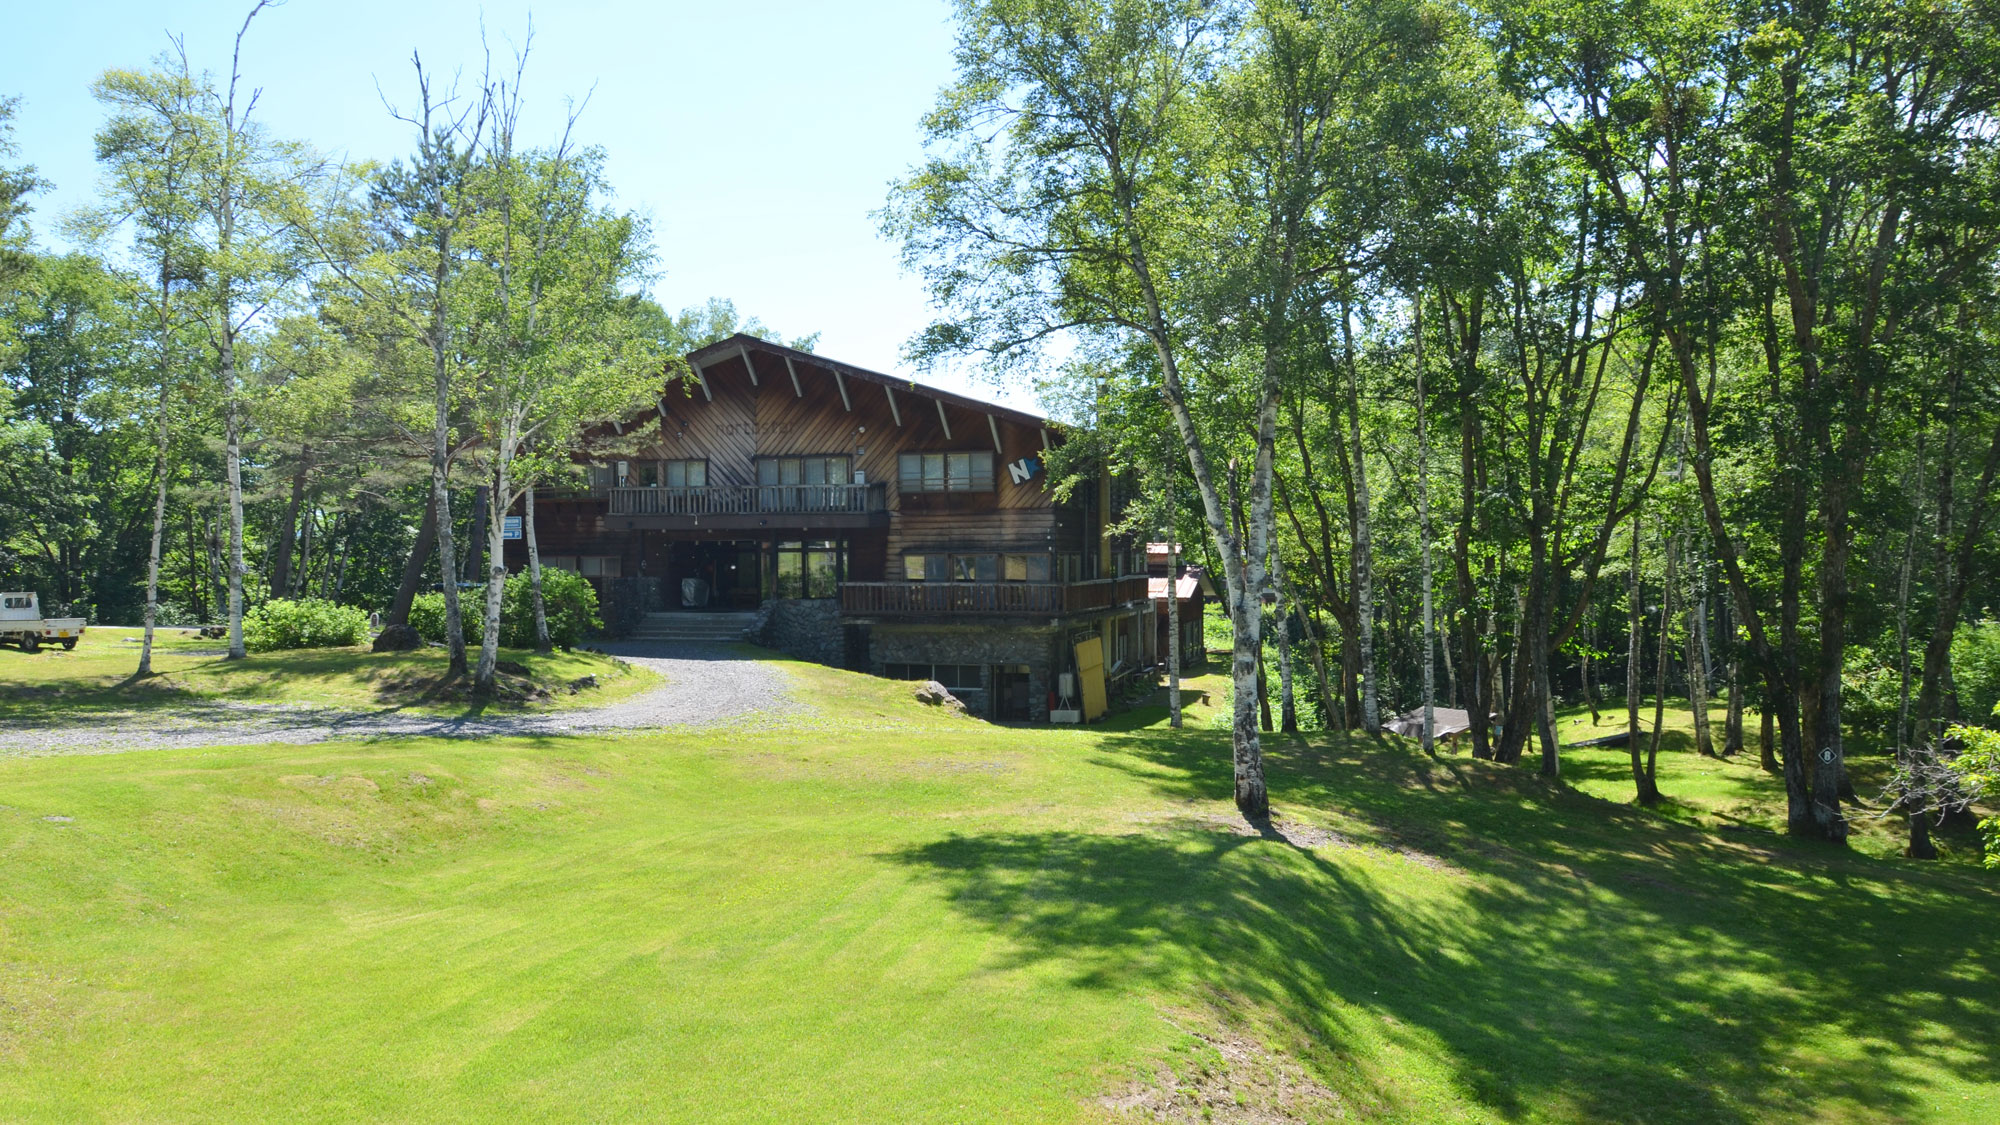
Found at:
[735, 346]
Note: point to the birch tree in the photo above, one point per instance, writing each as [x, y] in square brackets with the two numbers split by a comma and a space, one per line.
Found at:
[147, 152]
[550, 341]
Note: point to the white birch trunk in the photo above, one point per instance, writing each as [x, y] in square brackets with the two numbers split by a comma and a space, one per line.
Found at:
[1364, 555]
[1173, 617]
[542, 644]
[496, 577]
[1288, 709]
[1424, 539]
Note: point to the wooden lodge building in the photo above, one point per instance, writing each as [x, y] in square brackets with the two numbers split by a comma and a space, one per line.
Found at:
[862, 521]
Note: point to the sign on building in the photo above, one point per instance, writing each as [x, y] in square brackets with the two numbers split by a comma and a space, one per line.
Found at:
[510, 527]
[1024, 470]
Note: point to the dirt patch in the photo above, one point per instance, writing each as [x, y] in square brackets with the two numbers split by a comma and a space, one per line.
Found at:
[1233, 1078]
[507, 688]
[1294, 832]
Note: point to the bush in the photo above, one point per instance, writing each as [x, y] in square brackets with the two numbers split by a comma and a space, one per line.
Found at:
[427, 615]
[569, 602]
[306, 623]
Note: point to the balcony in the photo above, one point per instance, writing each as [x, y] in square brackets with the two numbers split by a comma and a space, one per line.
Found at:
[988, 599]
[747, 506]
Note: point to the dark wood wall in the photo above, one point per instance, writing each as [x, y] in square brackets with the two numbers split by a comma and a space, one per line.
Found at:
[738, 420]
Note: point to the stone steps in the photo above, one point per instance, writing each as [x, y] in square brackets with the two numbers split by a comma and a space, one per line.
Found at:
[708, 627]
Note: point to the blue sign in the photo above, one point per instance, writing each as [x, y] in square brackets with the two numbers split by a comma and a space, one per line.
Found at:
[510, 527]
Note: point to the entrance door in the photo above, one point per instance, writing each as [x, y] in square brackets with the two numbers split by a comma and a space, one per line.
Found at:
[1011, 700]
[709, 574]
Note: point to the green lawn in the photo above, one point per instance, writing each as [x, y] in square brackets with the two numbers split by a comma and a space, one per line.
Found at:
[879, 913]
[97, 678]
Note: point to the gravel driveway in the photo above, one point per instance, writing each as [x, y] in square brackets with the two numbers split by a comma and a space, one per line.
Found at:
[704, 684]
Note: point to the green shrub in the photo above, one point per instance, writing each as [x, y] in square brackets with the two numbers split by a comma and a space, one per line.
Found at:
[569, 603]
[427, 615]
[306, 623]
[1975, 670]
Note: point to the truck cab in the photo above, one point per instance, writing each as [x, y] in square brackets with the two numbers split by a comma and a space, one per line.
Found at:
[22, 623]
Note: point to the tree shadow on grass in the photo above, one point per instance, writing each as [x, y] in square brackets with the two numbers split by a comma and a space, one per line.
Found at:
[1556, 954]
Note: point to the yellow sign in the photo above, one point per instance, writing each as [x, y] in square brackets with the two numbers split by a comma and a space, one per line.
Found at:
[1090, 678]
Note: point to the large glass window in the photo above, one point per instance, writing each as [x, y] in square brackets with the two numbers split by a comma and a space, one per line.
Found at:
[810, 568]
[972, 568]
[945, 472]
[804, 470]
[685, 474]
[1024, 568]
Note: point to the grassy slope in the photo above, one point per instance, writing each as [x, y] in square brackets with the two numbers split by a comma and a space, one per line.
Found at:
[880, 914]
[96, 677]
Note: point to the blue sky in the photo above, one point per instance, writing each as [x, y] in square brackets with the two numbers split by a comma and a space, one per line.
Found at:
[757, 136]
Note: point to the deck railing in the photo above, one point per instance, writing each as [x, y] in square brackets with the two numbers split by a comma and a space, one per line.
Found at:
[910, 599]
[747, 500]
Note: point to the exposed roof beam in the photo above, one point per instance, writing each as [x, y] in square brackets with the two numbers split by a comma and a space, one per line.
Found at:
[794, 373]
[942, 420]
[842, 384]
[1045, 439]
[893, 411]
[706, 394]
[993, 424]
[747, 365]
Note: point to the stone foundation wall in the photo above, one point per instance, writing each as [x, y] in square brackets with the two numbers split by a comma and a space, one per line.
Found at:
[808, 628]
[985, 646]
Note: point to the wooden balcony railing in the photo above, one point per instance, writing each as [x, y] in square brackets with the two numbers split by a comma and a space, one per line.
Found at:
[747, 500]
[914, 599]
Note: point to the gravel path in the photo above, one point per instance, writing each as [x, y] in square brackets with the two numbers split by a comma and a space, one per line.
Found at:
[704, 684]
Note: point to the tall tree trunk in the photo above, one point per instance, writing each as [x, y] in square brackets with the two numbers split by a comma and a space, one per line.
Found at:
[1429, 731]
[413, 568]
[470, 564]
[1364, 551]
[1697, 667]
[1669, 586]
[1954, 578]
[1589, 688]
[159, 531]
[542, 643]
[281, 547]
[1288, 708]
[1643, 780]
[1732, 725]
[233, 462]
[454, 625]
[496, 576]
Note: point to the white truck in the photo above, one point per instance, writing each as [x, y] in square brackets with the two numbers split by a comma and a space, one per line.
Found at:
[22, 623]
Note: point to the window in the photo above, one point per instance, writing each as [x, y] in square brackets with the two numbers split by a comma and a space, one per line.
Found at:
[1024, 568]
[603, 476]
[804, 470]
[957, 677]
[17, 602]
[685, 474]
[972, 568]
[599, 566]
[1069, 568]
[649, 474]
[809, 568]
[927, 568]
[945, 472]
